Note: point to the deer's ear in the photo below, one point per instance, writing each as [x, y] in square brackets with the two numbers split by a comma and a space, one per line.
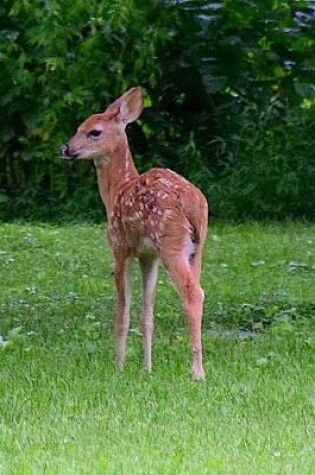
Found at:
[128, 107]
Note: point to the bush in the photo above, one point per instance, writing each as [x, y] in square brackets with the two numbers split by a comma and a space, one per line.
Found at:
[271, 167]
[229, 93]
[61, 61]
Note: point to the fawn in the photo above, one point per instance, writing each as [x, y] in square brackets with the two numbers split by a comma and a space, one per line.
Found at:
[157, 216]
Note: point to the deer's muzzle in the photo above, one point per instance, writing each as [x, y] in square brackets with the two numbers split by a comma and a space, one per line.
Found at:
[65, 152]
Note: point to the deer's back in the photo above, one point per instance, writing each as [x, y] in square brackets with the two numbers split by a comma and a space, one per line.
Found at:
[155, 207]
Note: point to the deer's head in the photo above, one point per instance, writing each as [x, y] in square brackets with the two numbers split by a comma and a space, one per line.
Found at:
[99, 135]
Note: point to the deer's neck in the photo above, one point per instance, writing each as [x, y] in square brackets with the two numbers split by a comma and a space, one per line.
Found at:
[113, 172]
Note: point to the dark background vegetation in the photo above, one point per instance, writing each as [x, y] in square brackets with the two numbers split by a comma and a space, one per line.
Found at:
[230, 99]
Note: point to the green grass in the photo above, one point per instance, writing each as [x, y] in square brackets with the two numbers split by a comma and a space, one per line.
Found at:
[64, 409]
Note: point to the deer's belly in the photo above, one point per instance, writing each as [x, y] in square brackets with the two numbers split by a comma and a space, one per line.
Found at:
[145, 246]
[138, 243]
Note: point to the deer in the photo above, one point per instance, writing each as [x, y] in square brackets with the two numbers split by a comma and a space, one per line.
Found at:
[155, 217]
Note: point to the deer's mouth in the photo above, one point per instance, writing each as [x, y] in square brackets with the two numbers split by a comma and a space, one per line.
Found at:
[66, 153]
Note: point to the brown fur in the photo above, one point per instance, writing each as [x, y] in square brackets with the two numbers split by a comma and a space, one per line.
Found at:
[158, 215]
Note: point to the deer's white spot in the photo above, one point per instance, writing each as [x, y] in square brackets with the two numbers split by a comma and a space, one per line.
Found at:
[166, 182]
[167, 213]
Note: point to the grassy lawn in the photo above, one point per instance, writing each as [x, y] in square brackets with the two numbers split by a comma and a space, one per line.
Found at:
[64, 409]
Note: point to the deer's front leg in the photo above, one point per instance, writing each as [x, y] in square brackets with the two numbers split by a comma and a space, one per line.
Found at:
[149, 270]
[123, 286]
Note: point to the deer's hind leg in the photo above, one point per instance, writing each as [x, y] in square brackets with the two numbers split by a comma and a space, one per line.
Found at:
[195, 259]
[188, 287]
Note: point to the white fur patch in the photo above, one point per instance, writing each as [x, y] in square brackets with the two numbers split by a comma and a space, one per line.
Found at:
[146, 245]
[189, 247]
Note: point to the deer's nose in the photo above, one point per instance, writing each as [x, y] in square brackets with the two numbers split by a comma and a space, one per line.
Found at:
[64, 150]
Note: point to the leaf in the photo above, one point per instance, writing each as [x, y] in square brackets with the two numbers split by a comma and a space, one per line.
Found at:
[305, 89]
[297, 264]
[258, 263]
[4, 199]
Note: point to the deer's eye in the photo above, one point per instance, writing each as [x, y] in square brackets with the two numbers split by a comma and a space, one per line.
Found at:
[94, 133]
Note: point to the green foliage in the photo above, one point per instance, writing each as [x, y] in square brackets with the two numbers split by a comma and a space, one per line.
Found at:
[62, 60]
[271, 170]
[227, 84]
